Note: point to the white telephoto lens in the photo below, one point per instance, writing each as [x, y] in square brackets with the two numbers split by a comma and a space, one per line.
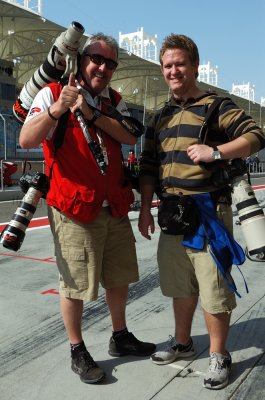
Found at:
[251, 215]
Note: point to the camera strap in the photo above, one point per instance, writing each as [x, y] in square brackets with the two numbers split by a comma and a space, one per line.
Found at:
[131, 124]
[24, 166]
[62, 123]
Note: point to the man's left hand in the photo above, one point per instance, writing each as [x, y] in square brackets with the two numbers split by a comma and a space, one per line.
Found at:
[200, 153]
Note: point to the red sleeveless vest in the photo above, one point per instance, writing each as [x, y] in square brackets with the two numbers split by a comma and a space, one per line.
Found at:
[77, 187]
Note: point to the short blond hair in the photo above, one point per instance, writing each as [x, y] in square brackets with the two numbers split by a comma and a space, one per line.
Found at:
[183, 42]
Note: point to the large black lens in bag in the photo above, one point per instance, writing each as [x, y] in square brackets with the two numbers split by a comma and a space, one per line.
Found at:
[178, 215]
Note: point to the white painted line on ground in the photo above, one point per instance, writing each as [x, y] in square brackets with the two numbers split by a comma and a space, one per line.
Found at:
[188, 369]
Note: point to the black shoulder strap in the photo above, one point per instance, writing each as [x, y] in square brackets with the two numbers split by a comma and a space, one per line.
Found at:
[61, 127]
[60, 131]
[210, 115]
[59, 134]
[112, 97]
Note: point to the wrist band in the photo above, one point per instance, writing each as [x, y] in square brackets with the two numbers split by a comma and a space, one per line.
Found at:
[50, 114]
[96, 115]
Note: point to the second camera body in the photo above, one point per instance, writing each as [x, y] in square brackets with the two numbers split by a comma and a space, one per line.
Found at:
[35, 187]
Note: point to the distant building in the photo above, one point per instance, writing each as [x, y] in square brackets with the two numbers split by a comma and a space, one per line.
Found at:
[31, 5]
[141, 44]
[245, 90]
[208, 74]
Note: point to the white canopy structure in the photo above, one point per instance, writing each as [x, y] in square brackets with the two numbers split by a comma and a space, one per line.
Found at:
[26, 38]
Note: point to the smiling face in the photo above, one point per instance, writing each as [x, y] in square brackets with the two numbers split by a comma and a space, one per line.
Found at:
[96, 77]
[179, 72]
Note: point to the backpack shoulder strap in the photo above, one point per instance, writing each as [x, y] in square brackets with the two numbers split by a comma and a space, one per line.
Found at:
[59, 135]
[210, 115]
[60, 131]
[61, 127]
[214, 106]
[112, 97]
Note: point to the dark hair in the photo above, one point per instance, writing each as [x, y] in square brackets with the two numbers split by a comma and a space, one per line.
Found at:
[183, 42]
[109, 40]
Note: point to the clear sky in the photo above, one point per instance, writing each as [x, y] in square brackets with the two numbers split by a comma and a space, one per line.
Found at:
[229, 33]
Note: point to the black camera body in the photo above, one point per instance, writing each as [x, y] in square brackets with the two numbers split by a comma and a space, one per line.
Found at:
[227, 171]
[35, 187]
[39, 181]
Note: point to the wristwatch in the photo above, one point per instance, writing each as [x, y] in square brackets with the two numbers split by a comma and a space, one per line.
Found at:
[96, 115]
[216, 154]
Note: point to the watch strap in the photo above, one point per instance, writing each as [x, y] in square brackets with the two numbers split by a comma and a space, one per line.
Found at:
[96, 115]
[216, 154]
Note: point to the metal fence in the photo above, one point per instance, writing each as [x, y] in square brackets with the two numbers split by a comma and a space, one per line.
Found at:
[255, 168]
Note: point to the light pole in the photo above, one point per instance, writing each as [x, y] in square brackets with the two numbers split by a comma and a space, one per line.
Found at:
[5, 150]
[262, 104]
[5, 134]
[145, 97]
[154, 78]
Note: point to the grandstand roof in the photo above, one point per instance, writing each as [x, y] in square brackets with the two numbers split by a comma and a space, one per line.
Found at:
[26, 38]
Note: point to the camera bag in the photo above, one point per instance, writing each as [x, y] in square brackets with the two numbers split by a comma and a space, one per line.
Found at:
[178, 215]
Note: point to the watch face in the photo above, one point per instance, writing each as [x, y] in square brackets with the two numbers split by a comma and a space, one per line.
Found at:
[216, 155]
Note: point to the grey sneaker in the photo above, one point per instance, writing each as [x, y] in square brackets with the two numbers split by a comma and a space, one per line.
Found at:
[172, 351]
[87, 369]
[219, 368]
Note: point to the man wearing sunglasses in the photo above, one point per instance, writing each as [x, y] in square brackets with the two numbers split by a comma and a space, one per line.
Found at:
[88, 210]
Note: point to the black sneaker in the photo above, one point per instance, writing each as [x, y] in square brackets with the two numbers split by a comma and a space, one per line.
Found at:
[88, 370]
[127, 344]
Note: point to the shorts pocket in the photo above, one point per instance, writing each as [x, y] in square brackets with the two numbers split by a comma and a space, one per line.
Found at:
[74, 272]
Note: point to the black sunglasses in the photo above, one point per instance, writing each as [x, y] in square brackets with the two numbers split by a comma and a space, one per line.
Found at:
[99, 60]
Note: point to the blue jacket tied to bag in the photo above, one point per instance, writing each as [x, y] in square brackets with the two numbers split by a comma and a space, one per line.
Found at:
[223, 247]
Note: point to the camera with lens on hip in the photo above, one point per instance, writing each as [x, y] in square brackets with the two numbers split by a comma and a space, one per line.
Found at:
[251, 215]
[227, 171]
[34, 187]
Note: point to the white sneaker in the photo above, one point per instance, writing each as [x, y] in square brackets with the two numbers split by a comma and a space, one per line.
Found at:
[172, 351]
[219, 368]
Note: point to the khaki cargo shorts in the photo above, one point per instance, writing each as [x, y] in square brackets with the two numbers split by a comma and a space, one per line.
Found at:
[185, 272]
[86, 254]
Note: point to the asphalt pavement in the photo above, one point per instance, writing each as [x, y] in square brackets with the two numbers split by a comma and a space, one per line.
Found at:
[34, 351]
